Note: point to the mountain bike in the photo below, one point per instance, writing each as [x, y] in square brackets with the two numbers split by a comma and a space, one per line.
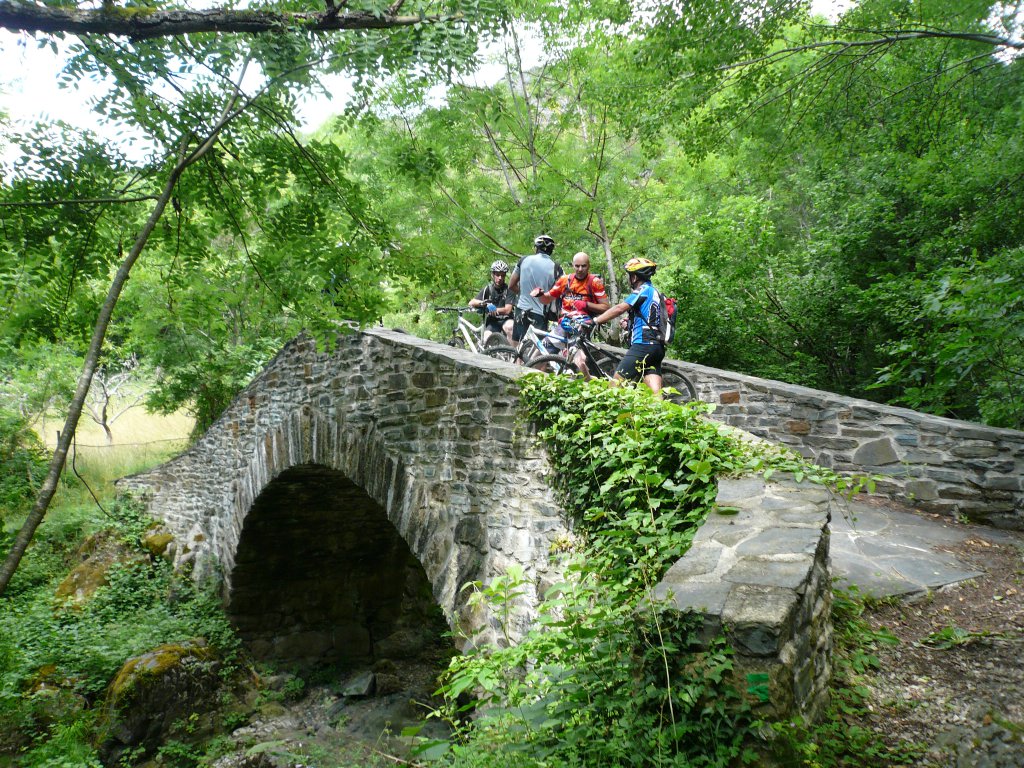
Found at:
[532, 344]
[477, 338]
[602, 364]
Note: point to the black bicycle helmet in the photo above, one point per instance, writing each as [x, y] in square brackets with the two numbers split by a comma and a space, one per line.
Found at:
[544, 244]
[499, 266]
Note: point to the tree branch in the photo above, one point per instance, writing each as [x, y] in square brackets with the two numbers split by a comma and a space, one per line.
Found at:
[79, 201]
[883, 38]
[138, 24]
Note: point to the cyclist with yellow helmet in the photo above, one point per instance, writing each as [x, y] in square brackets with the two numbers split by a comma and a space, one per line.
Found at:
[644, 305]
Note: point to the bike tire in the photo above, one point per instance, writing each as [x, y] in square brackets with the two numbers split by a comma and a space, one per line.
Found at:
[502, 352]
[677, 381]
[606, 366]
[553, 364]
[495, 340]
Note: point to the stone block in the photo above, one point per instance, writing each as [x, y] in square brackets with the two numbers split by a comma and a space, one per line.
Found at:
[1004, 482]
[731, 491]
[831, 443]
[759, 619]
[922, 456]
[700, 560]
[975, 451]
[694, 597]
[784, 574]
[781, 540]
[876, 453]
[925, 490]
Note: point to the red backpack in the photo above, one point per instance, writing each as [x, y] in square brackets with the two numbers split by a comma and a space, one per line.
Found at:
[668, 319]
[666, 329]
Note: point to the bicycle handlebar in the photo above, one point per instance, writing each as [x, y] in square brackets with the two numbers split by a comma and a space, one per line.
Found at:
[460, 310]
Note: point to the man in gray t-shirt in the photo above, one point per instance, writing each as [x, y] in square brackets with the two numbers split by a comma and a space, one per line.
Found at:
[536, 271]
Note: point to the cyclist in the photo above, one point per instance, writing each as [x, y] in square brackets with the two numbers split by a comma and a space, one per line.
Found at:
[644, 305]
[498, 300]
[532, 272]
[582, 295]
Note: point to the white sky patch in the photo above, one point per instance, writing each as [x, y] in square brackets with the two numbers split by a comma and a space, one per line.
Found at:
[29, 89]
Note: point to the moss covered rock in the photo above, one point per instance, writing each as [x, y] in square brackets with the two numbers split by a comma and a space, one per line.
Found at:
[156, 693]
[95, 558]
[157, 541]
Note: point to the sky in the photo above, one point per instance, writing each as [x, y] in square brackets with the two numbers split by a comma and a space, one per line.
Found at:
[29, 90]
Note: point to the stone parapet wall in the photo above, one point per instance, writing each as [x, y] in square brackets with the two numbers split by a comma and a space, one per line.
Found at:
[758, 574]
[940, 465]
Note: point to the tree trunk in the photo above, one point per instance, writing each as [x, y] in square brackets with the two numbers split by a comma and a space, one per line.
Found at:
[60, 454]
[610, 282]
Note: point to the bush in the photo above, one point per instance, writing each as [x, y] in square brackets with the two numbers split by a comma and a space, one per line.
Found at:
[23, 465]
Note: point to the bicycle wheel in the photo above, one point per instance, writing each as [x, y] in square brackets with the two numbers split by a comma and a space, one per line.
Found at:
[552, 364]
[496, 340]
[677, 381]
[606, 366]
[502, 352]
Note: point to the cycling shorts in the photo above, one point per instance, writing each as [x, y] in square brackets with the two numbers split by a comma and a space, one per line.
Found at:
[494, 324]
[641, 360]
[524, 318]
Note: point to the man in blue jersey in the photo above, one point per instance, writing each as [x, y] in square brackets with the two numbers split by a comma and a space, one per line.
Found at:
[532, 272]
[646, 345]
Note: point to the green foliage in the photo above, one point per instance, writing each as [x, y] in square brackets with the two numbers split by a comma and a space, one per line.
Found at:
[22, 466]
[77, 649]
[951, 637]
[961, 345]
[36, 376]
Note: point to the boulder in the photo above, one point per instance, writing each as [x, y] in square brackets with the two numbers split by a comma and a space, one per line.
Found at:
[95, 558]
[155, 691]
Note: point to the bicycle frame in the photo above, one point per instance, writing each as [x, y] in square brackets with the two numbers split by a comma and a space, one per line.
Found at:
[466, 334]
[532, 344]
[580, 343]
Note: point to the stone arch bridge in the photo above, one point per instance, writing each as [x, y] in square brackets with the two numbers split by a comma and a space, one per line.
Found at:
[345, 494]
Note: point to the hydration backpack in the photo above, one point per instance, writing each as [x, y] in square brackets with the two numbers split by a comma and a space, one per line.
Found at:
[666, 329]
[668, 319]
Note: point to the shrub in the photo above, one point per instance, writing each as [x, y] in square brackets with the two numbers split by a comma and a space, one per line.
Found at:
[23, 465]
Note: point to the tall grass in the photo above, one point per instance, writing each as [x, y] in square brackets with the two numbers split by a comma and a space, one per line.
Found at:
[141, 440]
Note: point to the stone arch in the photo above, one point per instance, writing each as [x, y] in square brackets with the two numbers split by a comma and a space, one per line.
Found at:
[322, 576]
[450, 548]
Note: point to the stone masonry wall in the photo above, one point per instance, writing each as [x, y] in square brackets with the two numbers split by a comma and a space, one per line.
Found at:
[428, 431]
[758, 574]
[940, 465]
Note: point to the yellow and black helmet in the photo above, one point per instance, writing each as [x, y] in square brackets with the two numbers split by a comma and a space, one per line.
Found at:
[642, 267]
